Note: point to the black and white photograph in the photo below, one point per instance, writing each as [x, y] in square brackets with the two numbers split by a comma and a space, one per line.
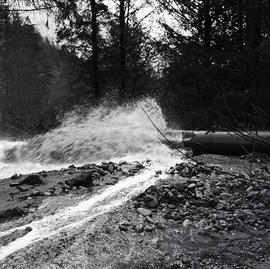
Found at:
[135, 134]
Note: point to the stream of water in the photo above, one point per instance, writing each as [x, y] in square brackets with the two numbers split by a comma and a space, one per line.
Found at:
[122, 133]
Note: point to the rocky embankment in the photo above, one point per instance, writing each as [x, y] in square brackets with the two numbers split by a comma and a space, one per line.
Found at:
[22, 194]
[210, 198]
[222, 215]
[214, 216]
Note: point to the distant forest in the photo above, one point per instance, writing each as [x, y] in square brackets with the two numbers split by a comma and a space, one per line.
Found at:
[210, 65]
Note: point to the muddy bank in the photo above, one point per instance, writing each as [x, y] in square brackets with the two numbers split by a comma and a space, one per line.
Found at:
[214, 216]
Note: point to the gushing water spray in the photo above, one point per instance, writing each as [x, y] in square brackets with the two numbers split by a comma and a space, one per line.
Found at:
[102, 134]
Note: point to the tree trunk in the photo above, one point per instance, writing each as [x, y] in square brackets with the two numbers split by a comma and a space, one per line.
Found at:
[122, 69]
[254, 11]
[207, 24]
[241, 25]
[95, 50]
[4, 58]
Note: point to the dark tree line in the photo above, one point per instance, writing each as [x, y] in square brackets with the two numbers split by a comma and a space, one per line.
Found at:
[209, 66]
[218, 70]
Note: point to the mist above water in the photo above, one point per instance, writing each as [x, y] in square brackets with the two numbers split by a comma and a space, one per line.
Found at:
[103, 133]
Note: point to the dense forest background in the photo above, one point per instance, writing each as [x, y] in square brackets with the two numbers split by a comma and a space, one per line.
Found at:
[209, 66]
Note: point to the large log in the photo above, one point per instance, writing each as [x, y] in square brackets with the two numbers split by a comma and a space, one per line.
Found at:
[231, 143]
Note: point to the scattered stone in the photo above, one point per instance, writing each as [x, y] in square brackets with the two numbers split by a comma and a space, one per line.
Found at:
[192, 186]
[188, 223]
[36, 193]
[139, 228]
[22, 189]
[144, 212]
[180, 186]
[150, 220]
[181, 197]
[123, 226]
[14, 184]
[149, 228]
[151, 201]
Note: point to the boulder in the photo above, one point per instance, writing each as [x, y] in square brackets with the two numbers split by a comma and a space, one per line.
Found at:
[28, 229]
[85, 180]
[15, 176]
[11, 213]
[32, 180]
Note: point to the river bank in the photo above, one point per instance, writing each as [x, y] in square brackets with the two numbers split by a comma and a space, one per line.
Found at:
[196, 216]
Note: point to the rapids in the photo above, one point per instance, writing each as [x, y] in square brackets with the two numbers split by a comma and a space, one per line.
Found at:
[122, 133]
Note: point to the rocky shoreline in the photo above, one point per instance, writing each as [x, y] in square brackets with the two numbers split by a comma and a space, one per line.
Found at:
[210, 216]
[22, 194]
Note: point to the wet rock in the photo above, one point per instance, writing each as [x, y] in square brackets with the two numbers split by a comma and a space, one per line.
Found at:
[28, 229]
[223, 223]
[11, 213]
[198, 203]
[224, 196]
[15, 176]
[139, 166]
[150, 220]
[72, 166]
[161, 226]
[32, 180]
[180, 186]
[151, 189]
[181, 197]
[111, 168]
[149, 228]
[14, 184]
[192, 186]
[199, 194]
[139, 228]
[123, 226]
[36, 193]
[151, 201]
[85, 180]
[187, 223]
[111, 181]
[144, 212]
[22, 189]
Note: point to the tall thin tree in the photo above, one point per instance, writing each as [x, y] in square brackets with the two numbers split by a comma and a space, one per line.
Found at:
[95, 50]
[122, 49]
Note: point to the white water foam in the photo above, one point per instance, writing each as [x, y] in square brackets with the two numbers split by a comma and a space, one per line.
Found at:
[77, 215]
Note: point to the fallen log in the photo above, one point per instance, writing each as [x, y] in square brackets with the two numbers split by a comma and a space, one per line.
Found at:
[226, 142]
